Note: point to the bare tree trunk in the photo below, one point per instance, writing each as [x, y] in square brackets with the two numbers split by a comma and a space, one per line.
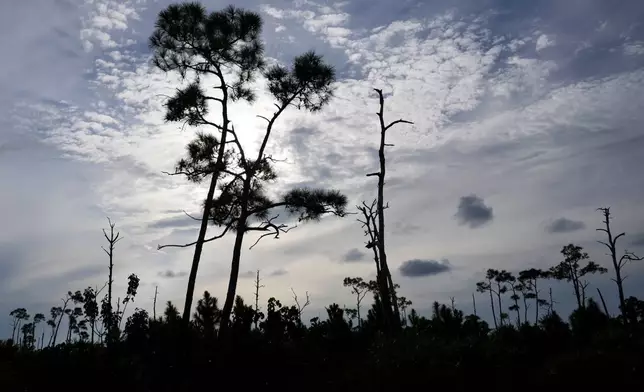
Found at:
[257, 287]
[498, 296]
[386, 284]
[536, 303]
[492, 305]
[474, 304]
[53, 343]
[603, 302]
[154, 304]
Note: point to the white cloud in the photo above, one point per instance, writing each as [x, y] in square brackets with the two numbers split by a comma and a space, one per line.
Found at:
[544, 41]
[105, 17]
[634, 48]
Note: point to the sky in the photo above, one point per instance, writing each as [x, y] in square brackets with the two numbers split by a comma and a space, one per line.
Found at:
[527, 117]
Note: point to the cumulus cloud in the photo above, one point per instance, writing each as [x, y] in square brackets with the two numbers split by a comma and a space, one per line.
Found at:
[564, 225]
[473, 211]
[417, 268]
[172, 274]
[353, 255]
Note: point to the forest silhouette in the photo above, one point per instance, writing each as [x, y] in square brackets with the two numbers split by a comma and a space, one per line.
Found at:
[378, 342]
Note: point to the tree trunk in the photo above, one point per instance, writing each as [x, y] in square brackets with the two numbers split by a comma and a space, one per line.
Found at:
[234, 267]
[536, 303]
[232, 282]
[192, 279]
[474, 304]
[498, 296]
[603, 302]
[384, 267]
[620, 290]
[492, 305]
[576, 286]
[207, 205]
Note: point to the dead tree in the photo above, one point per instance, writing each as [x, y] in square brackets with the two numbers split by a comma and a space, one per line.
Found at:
[474, 304]
[360, 288]
[257, 287]
[154, 304]
[618, 264]
[370, 229]
[300, 307]
[112, 239]
[388, 299]
[603, 302]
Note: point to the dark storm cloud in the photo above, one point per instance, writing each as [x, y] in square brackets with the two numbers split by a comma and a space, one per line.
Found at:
[353, 255]
[417, 268]
[172, 274]
[564, 225]
[473, 212]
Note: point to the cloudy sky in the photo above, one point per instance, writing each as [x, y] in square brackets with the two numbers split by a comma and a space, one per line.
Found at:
[527, 118]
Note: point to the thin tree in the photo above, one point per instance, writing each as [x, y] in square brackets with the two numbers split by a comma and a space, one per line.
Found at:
[258, 286]
[569, 269]
[194, 43]
[474, 304]
[300, 307]
[38, 318]
[384, 278]
[360, 288]
[18, 316]
[59, 312]
[112, 239]
[403, 305]
[516, 288]
[501, 279]
[154, 304]
[486, 287]
[618, 264]
[307, 85]
[530, 280]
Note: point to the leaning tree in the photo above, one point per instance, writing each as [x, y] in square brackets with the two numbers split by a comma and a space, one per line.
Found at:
[225, 47]
[221, 50]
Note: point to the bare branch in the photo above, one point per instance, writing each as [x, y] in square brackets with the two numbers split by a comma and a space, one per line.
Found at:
[618, 235]
[268, 225]
[159, 247]
[264, 118]
[190, 216]
[401, 121]
[300, 308]
[603, 243]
